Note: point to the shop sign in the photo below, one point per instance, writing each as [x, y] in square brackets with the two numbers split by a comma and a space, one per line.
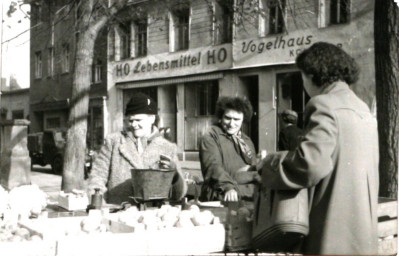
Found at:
[193, 61]
[355, 37]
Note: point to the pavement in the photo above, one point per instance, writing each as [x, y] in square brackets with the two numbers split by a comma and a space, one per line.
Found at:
[51, 183]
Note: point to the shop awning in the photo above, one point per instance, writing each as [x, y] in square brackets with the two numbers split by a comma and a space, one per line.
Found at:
[172, 80]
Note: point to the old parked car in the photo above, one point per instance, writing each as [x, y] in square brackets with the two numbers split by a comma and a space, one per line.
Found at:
[47, 147]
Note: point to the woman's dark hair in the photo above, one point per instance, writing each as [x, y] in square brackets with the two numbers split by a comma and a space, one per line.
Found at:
[327, 63]
[234, 103]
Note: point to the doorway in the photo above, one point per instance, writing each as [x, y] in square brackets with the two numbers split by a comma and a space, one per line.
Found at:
[250, 90]
[291, 95]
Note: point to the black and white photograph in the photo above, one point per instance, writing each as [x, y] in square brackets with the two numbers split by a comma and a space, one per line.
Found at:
[199, 127]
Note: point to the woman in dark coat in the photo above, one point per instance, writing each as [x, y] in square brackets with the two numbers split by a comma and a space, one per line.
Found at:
[337, 158]
[226, 154]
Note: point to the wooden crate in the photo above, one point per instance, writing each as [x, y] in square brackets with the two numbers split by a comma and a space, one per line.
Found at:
[123, 241]
[387, 226]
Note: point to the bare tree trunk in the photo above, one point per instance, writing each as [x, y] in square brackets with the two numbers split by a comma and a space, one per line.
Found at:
[75, 149]
[386, 36]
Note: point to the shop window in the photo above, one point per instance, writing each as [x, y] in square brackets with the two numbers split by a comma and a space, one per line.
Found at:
[53, 122]
[141, 38]
[65, 58]
[38, 64]
[125, 40]
[181, 19]
[50, 62]
[223, 21]
[276, 16]
[339, 11]
[17, 114]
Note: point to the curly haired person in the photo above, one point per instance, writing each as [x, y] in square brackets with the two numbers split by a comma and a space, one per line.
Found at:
[227, 154]
[337, 157]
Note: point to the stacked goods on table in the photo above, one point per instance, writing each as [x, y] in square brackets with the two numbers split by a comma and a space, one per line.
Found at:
[77, 200]
[19, 204]
[167, 230]
[166, 217]
[22, 202]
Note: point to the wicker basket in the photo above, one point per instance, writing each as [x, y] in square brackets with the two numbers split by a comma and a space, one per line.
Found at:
[152, 184]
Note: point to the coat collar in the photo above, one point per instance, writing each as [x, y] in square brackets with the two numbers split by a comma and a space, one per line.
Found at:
[128, 149]
[220, 131]
[335, 87]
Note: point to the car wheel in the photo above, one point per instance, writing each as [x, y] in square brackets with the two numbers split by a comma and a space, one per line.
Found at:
[57, 165]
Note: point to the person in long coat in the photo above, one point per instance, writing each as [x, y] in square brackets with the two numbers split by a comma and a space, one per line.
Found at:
[337, 159]
[227, 155]
[140, 146]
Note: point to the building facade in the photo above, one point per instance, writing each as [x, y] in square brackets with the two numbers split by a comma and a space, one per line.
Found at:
[15, 104]
[189, 53]
[185, 54]
[53, 44]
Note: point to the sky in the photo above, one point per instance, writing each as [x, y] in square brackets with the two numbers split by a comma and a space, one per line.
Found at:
[15, 53]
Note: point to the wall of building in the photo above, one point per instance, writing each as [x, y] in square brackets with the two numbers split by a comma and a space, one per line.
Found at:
[17, 100]
[252, 56]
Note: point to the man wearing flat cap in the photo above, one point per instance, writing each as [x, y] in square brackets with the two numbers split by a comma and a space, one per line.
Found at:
[139, 146]
[290, 133]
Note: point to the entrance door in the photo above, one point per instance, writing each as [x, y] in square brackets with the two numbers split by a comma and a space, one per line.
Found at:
[291, 95]
[250, 90]
[200, 102]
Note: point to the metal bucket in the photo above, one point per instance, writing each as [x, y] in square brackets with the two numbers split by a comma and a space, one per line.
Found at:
[151, 184]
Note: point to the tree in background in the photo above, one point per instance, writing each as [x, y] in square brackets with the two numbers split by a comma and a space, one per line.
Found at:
[386, 34]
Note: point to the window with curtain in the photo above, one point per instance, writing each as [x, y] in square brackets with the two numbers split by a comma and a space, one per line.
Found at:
[276, 16]
[38, 64]
[65, 58]
[141, 38]
[182, 28]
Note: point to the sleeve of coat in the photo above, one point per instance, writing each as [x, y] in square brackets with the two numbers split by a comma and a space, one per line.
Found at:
[100, 171]
[312, 160]
[212, 165]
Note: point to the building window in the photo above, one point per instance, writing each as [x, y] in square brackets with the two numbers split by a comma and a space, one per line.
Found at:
[53, 123]
[50, 60]
[339, 11]
[38, 65]
[17, 114]
[65, 59]
[141, 38]
[223, 21]
[181, 19]
[125, 40]
[276, 16]
[97, 67]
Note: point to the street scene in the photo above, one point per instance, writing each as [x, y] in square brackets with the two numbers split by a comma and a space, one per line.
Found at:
[199, 127]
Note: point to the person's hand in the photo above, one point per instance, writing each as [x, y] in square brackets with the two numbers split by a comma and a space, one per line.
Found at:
[244, 168]
[166, 163]
[231, 196]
